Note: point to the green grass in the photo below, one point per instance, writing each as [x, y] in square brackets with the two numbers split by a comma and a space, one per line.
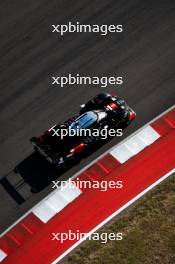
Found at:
[148, 230]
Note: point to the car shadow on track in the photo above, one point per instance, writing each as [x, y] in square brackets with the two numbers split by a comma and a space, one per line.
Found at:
[38, 173]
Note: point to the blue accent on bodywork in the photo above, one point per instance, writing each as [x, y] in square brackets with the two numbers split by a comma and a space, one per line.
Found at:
[84, 121]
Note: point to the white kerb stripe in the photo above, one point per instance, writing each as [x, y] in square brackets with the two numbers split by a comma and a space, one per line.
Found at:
[49, 207]
[148, 134]
[122, 153]
[72, 192]
[134, 144]
[44, 212]
[3, 255]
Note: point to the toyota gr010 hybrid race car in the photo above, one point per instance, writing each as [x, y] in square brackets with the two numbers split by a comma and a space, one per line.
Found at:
[103, 111]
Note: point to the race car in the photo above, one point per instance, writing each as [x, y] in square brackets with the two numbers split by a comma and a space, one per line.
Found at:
[104, 111]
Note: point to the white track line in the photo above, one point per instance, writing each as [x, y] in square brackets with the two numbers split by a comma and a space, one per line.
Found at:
[3, 255]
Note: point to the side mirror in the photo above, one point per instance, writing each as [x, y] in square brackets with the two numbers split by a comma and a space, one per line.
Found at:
[82, 106]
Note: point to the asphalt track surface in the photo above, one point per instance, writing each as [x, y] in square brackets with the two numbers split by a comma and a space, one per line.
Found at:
[30, 54]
